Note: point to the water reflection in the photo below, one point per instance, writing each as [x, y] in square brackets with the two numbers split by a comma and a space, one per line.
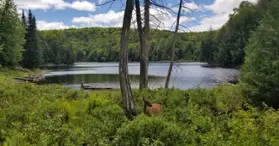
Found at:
[185, 75]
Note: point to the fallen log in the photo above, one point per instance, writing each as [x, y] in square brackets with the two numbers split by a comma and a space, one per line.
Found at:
[31, 78]
[23, 79]
[86, 87]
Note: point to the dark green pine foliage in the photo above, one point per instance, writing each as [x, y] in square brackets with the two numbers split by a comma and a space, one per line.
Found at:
[232, 38]
[208, 48]
[32, 53]
[11, 34]
[23, 18]
[260, 73]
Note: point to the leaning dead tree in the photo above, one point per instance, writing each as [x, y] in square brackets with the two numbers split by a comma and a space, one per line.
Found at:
[173, 44]
[127, 96]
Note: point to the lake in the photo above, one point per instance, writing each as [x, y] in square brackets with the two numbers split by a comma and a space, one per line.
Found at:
[185, 75]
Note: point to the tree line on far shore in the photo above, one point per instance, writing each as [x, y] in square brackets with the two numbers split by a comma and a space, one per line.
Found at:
[22, 44]
[102, 45]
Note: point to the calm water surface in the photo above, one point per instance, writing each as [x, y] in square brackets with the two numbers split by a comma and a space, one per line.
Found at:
[185, 75]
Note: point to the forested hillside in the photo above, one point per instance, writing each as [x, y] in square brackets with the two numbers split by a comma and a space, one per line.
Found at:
[102, 44]
[226, 46]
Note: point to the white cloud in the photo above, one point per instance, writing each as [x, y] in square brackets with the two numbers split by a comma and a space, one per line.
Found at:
[221, 10]
[214, 22]
[166, 18]
[225, 6]
[41, 4]
[83, 6]
[56, 4]
[114, 19]
[101, 1]
[44, 25]
[109, 19]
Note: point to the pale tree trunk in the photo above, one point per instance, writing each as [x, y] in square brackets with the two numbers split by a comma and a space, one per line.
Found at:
[173, 45]
[127, 96]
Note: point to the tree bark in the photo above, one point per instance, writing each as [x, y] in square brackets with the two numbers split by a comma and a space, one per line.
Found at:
[173, 45]
[146, 46]
[127, 96]
[143, 46]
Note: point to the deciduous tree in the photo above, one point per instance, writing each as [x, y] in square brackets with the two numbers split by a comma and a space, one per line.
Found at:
[11, 34]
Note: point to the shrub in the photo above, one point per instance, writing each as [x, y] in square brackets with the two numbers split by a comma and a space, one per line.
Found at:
[228, 98]
[151, 131]
[260, 73]
[52, 115]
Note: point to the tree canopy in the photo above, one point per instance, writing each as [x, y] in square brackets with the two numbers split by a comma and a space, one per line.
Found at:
[102, 44]
[260, 73]
[11, 34]
[32, 51]
[226, 46]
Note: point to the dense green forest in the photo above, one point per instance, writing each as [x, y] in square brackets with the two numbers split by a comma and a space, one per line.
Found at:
[226, 46]
[244, 114]
[102, 44]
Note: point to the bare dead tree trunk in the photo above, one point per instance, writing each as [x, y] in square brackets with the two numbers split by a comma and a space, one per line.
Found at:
[141, 39]
[144, 39]
[127, 96]
[146, 46]
[173, 44]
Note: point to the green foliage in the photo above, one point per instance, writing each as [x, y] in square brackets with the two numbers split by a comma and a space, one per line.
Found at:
[102, 44]
[226, 47]
[32, 51]
[51, 115]
[149, 131]
[11, 34]
[260, 73]
[208, 48]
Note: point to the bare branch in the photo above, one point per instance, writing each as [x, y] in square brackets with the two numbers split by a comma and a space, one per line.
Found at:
[162, 6]
[185, 27]
[105, 3]
[110, 6]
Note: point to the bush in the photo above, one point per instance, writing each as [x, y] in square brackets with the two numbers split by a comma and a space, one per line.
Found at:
[260, 73]
[51, 115]
[149, 131]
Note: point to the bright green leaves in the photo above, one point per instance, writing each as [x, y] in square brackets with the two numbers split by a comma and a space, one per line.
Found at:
[11, 34]
[260, 73]
[52, 115]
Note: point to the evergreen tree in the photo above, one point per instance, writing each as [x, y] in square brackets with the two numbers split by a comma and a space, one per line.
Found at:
[23, 18]
[260, 73]
[32, 52]
[11, 34]
[58, 58]
[208, 48]
[232, 38]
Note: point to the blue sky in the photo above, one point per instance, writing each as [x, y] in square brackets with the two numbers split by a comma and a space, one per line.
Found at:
[62, 14]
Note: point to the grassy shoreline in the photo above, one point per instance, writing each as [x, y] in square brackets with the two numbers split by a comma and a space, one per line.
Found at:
[33, 114]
